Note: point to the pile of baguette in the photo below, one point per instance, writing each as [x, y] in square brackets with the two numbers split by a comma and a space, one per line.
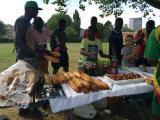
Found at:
[78, 81]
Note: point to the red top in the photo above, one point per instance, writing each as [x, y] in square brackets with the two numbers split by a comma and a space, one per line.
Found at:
[141, 46]
[97, 34]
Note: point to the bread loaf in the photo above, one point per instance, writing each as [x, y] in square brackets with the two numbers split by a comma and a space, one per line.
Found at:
[73, 86]
[77, 82]
[56, 54]
[54, 79]
[84, 90]
[101, 85]
[63, 77]
[86, 78]
[52, 59]
[60, 78]
[67, 76]
[72, 75]
[85, 84]
[93, 87]
[77, 74]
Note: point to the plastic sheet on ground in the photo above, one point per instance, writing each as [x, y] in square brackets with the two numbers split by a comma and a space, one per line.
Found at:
[16, 84]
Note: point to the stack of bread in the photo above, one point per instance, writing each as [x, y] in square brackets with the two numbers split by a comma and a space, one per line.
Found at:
[79, 81]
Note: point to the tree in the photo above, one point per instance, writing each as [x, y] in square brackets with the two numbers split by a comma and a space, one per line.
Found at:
[71, 34]
[126, 28]
[114, 7]
[53, 21]
[2, 28]
[107, 29]
[100, 28]
[76, 22]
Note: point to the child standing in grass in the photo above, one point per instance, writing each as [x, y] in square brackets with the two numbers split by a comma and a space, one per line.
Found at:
[128, 52]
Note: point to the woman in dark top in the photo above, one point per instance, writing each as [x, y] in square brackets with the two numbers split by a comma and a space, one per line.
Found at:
[116, 40]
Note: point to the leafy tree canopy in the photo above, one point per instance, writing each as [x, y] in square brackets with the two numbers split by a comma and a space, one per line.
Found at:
[53, 20]
[2, 28]
[109, 7]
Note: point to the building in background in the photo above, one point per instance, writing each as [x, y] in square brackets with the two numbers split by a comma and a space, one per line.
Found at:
[135, 23]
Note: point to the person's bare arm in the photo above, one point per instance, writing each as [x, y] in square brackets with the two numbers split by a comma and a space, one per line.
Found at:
[83, 52]
[20, 33]
[139, 39]
[103, 55]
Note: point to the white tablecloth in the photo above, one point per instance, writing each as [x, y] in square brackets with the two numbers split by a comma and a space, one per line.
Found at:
[74, 99]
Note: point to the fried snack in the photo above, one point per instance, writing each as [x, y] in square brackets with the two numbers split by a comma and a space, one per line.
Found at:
[85, 83]
[84, 90]
[56, 54]
[52, 59]
[73, 86]
[86, 77]
[77, 82]
[124, 76]
[93, 87]
[101, 85]
[77, 74]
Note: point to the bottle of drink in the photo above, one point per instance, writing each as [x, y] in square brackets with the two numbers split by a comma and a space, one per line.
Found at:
[105, 68]
[114, 63]
[81, 67]
[91, 70]
[94, 70]
[99, 68]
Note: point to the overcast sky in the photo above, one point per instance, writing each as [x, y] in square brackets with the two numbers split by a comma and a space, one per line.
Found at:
[11, 9]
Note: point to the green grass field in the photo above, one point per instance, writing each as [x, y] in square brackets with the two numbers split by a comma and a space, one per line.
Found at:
[7, 57]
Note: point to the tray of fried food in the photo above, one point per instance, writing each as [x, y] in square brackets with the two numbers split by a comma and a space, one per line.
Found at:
[122, 78]
[84, 83]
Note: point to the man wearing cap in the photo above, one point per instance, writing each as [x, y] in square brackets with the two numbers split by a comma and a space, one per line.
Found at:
[23, 51]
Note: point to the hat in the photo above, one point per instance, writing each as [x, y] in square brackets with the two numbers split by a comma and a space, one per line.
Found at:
[32, 4]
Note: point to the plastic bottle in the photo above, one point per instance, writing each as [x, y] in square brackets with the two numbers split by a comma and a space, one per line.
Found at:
[94, 70]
